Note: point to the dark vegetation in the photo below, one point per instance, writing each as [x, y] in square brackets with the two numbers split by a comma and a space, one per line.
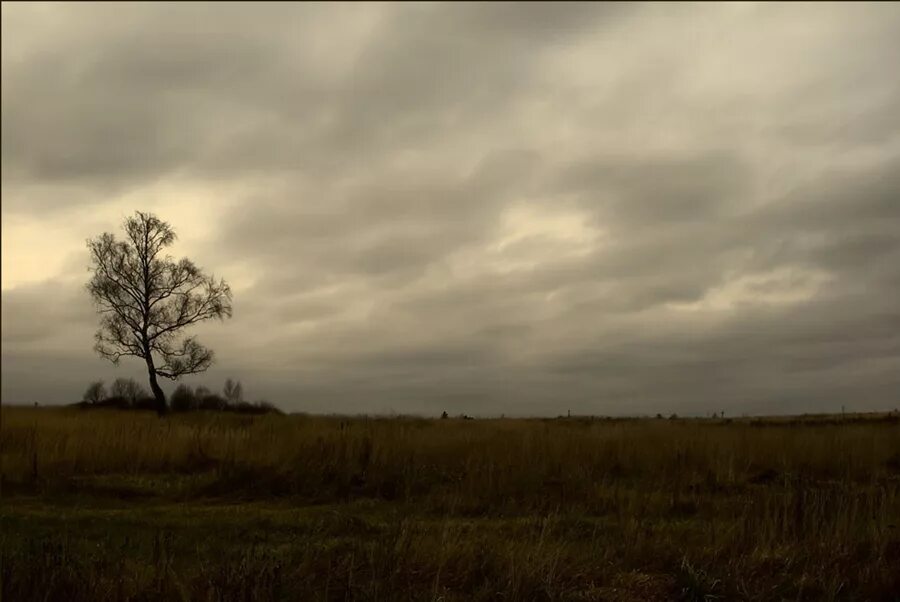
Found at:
[146, 301]
[127, 394]
[113, 505]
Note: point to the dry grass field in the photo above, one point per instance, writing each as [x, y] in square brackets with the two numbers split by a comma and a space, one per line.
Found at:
[106, 505]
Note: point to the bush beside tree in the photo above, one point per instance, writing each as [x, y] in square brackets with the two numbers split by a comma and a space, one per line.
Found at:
[126, 394]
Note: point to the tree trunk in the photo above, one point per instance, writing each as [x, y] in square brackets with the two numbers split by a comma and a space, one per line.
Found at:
[161, 407]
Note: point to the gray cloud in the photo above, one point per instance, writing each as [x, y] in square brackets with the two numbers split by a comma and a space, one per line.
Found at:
[62, 308]
[496, 208]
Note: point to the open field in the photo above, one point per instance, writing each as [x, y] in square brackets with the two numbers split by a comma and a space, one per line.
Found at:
[108, 505]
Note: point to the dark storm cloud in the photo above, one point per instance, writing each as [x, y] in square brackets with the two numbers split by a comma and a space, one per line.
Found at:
[491, 208]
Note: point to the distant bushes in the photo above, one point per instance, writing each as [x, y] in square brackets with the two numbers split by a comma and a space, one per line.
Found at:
[127, 394]
[124, 394]
[185, 399]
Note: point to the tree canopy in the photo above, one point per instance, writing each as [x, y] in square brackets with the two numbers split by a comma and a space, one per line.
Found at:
[147, 299]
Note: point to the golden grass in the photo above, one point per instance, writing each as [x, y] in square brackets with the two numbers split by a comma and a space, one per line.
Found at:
[673, 508]
[417, 455]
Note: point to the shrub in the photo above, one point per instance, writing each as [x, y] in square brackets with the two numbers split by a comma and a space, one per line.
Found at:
[212, 402]
[183, 399]
[127, 394]
[95, 393]
[267, 408]
[127, 391]
[233, 392]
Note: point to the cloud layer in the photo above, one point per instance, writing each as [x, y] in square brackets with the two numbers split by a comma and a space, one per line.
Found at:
[499, 208]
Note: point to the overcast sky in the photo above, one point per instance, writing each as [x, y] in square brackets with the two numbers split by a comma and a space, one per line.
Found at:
[513, 208]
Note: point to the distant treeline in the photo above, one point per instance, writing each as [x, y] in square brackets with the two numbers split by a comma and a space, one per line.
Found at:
[128, 394]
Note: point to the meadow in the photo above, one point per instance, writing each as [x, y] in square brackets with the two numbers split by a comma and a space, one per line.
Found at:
[110, 505]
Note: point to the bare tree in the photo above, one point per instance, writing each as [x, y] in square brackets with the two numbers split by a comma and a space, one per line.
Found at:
[146, 300]
[96, 392]
[234, 391]
[128, 390]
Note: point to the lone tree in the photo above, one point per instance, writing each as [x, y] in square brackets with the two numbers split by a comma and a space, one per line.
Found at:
[147, 299]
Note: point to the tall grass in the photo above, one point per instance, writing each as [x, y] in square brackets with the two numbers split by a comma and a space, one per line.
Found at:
[489, 461]
[682, 508]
